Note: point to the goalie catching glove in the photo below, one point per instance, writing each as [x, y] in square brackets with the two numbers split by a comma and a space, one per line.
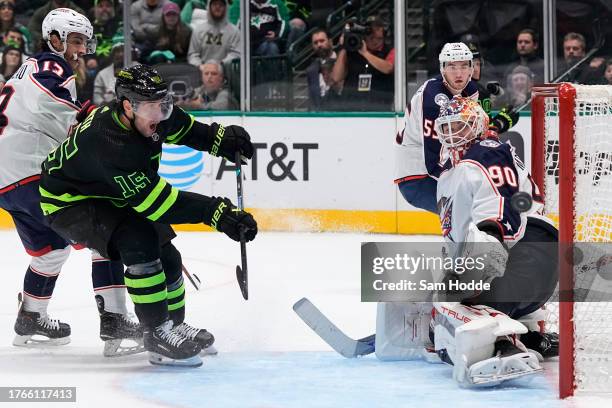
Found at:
[230, 220]
[227, 140]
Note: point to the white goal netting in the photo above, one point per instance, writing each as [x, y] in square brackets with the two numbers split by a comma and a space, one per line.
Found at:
[593, 224]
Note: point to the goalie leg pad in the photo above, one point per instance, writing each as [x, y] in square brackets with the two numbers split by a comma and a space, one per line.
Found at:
[467, 336]
[402, 330]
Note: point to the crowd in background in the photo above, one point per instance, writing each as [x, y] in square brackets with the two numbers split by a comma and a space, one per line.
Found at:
[340, 74]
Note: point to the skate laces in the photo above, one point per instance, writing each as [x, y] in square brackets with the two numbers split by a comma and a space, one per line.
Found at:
[48, 323]
[187, 330]
[166, 333]
[128, 321]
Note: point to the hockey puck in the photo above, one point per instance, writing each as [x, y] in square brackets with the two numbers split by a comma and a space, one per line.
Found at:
[521, 201]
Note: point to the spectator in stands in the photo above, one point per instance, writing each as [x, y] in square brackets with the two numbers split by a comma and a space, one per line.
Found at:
[213, 94]
[527, 49]
[194, 12]
[299, 12]
[7, 22]
[14, 38]
[574, 49]
[106, 25]
[321, 89]
[35, 23]
[518, 87]
[146, 21]
[104, 84]
[216, 38]
[11, 61]
[367, 73]
[84, 81]
[269, 21]
[174, 35]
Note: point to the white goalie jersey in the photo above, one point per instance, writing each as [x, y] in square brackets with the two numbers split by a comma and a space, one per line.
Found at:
[479, 188]
[37, 108]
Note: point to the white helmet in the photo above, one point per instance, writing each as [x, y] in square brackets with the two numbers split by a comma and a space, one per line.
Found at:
[455, 52]
[65, 21]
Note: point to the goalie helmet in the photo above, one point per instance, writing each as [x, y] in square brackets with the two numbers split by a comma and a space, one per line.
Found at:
[64, 21]
[461, 122]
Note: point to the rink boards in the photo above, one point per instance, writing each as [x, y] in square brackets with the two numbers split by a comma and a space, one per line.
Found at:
[312, 172]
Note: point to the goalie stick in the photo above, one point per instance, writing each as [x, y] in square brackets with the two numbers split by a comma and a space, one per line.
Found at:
[331, 334]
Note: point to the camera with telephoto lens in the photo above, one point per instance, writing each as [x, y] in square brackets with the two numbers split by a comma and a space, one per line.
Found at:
[354, 34]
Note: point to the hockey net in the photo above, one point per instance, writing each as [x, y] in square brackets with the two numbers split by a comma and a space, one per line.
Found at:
[572, 164]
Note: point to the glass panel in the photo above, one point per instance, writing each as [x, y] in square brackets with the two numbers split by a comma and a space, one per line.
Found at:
[583, 28]
[213, 57]
[288, 75]
[491, 29]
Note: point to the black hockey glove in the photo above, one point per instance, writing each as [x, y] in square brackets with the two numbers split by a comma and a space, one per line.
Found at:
[227, 218]
[504, 120]
[227, 140]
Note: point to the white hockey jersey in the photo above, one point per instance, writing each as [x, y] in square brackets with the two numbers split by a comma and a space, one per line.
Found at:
[480, 187]
[419, 153]
[37, 107]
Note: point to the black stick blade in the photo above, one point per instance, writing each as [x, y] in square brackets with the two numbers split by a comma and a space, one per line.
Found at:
[242, 282]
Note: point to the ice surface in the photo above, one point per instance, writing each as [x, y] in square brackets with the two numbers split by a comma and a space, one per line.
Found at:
[267, 356]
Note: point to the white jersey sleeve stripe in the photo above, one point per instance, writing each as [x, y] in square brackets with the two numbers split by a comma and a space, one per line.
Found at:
[45, 90]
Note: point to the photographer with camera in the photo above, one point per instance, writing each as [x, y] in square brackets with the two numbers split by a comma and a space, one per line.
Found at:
[365, 64]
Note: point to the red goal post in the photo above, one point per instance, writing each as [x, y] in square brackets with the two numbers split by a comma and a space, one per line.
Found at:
[573, 124]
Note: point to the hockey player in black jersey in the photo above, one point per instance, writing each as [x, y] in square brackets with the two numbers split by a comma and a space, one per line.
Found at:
[100, 188]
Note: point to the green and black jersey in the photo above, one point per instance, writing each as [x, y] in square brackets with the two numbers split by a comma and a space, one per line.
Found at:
[103, 159]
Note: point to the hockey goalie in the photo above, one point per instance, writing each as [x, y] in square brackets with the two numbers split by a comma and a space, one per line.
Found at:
[487, 336]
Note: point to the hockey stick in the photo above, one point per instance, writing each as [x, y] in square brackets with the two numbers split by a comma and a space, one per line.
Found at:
[331, 334]
[241, 273]
[193, 278]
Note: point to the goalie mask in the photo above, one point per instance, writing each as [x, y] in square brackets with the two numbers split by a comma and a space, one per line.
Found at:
[64, 21]
[455, 75]
[461, 122]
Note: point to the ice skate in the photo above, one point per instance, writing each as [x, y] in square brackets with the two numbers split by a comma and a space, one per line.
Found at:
[36, 330]
[509, 363]
[120, 334]
[204, 338]
[167, 347]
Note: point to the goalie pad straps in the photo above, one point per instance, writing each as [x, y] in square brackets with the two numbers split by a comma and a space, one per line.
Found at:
[466, 335]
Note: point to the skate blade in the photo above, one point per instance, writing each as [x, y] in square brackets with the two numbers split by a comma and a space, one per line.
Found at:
[39, 341]
[209, 351]
[492, 381]
[114, 348]
[158, 359]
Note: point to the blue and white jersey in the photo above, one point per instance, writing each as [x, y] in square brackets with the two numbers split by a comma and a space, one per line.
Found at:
[479, 188]
[37, 108]
[419, 153]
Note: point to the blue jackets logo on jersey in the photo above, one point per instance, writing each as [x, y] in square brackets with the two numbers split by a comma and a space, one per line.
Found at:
[445, 207]
[182, 166]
